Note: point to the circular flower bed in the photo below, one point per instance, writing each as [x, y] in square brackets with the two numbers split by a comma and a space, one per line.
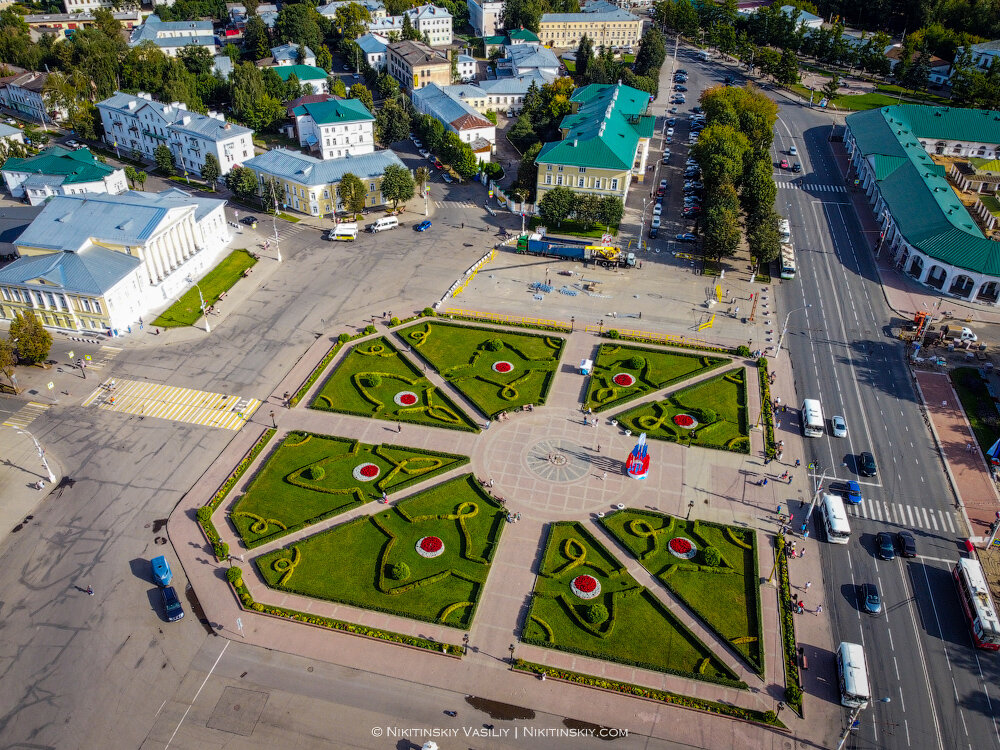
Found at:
[430, 546]
[405, 398]
[682, 548]
[366, 472]
[503, 367]
[685, 421]
[586, 587]
[624, 380]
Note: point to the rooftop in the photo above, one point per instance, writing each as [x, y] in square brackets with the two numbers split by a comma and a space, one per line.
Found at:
[371, 44]
[335, 111]
[172, 33]
[308, 170]
[73, 166]
[600, 15]
[93, 271]
[289, 52]
[418, 53]
[8, 130]
[524, 56]
[213, 128]
[302, 72]
[440, 103]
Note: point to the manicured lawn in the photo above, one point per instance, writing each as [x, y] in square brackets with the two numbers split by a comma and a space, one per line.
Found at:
[372, 561]
[639, 371]
[572, 228]
[978, 404]
[476, 361]
[374, 380]
[718, 406]
[187, 310]
[726, 596]
[624, 622]
[312, 477]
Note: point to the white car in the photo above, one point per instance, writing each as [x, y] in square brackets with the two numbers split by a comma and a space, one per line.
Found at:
[425, 154]
[417, 143]
[657, 209]
[793, 151]
[656, 223]
[839, 426]
[670, 131]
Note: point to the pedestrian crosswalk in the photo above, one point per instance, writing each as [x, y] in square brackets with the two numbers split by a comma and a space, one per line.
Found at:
[911, 516]
[106, 354]
[146, 399]
[290, 230]
[811, 187]
[442, 204]
[25, 415]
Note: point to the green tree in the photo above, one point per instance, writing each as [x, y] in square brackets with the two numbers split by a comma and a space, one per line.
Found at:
[360, 91]
[420, 177]
[467, 165]
[242, 181]
[523, 14]
[211, 170]
[409, 33]
[757, 189]
[130, 173]
[831, 87]
[387, 86]
[256, 39]
[587, 209]
[352, 193]
[397, 184]
[299, 24]
[140, 177]
[763, 238]
[164, 159]
[522, 133]
[584, 56]
[556, 205]
[652, 53]
[272, 194]
[527, 172]
[610, 211]
[788, 68]
[8, 360]
[324, 58]
[337, 87]
[197, 60]
[251, 101]
[32, 340]
[721, 232]
[352, 20]
[392, 123]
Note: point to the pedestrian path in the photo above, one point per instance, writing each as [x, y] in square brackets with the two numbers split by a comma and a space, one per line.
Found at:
[912, 516]
[26, 415]
[811, 187]
[178, 404]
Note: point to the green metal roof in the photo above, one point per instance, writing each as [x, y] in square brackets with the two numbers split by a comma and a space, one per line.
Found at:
[523, 35]
[302, 72]
[922, 202]
[605, 129]
[335, 110]
[73, 166]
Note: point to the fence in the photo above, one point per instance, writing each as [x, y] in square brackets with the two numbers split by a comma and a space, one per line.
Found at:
[470, 274]
[509, 319]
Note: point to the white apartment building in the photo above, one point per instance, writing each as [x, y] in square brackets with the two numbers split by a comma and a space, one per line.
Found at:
[484, 16]
[172, 36]
[434, 22]
[288, 54]
[135, 122]
[374, 50]
[60, 171]
[23, 94]
[336, 128]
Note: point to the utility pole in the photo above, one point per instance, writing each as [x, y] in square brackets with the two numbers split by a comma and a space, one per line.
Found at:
[274, 221]
[41, 454]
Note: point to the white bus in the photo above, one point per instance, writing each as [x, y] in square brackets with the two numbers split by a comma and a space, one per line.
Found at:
[785, 230]
[852, 673]
[977, 603]
[787, 261]
[838, 530]
[811, 414]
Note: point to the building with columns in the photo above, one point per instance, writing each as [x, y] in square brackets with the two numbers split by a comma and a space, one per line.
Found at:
[925, 228]
[100, 263]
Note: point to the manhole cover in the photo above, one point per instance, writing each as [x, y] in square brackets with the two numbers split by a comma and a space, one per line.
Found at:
[237, 711]
[558, 460]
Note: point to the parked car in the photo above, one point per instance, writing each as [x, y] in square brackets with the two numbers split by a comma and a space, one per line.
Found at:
[907, 545]
[655, 223]
[796, 167]
[425, 153]
[447, 177]
[686, 237]
[885, 546]
[678, 87]
[697, 110]
[653, 232]
[172, 608]
[682, 71]
[422, 226]
[663, 185]
[870, 599]
[866, 464]
[418, 143]
[784, 164]
[670, 131]
[673, 110]
[671, 121]
[793, 151]
[657, 209]
[839, 426]
[250, 221]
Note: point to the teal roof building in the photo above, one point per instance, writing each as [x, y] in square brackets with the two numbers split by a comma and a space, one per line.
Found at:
[61, 171]
[927, 229]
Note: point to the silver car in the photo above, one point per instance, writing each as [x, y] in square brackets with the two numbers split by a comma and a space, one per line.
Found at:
[839, 426]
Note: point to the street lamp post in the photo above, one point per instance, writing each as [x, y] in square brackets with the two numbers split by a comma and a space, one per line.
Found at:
[784, 329]
[511, 649]
[851, 721]
[41, 454]
[690, 508]
[642, 222]
[201, 299]
[274, 222]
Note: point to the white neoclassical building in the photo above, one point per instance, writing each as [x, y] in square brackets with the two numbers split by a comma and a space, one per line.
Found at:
[926, 229]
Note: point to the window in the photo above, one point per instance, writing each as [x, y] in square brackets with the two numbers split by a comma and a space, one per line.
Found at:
[97, 307]
[548, 179]
[86, 304]
[559, 180]
[614, 184]
[548, 167]
[581, 182]
[560, 168]
[583, 170]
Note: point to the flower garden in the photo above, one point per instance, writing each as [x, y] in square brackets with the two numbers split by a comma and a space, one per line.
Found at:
[710, 414]
[312, 477]
[624, 373]
[374, 380]
[427, 557]
[710, 567]
[585, 602]
[495, 370]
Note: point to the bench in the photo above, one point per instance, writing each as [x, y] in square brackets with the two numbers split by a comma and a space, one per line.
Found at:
[804, 662]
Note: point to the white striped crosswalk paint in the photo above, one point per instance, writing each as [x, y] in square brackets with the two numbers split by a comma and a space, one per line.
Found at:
[905, 515]
[25, 415]
[811, 187]
[172, 402]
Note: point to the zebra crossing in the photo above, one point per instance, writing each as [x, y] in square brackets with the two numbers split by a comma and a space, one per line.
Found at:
[145, 399]
[25, 415]
[912, 516]
[109, 353]
[442, 204]
[811, 187]
[289, 230]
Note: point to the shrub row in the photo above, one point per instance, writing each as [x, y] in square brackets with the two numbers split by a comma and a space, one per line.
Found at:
[611, 333]
[664, 696]
[766, 413]
[427, 312]
[314, 375]
[793, 682]
[471, 426]
[247, 600]
[563, 328]
[205, 512]
[285, 531]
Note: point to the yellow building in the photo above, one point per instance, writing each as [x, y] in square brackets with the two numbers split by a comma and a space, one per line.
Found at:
[310, 184]
[607, 27]
[416, 65]
[605, 142]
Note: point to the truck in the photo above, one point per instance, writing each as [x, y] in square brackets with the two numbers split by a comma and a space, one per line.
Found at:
[558, 247]
[960, 334]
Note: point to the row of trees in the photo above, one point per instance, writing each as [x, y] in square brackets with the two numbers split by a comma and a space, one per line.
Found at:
[733, 153]
[561, 203]
[446, 145]
[527, 14]
[26, 341]
[643, 74]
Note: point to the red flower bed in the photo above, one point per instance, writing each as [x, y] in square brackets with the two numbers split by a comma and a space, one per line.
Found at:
[586, 584]
[406, 398]
[684, 420]
[680, 545]
[431, 544]
[503, 367]
[624, 380]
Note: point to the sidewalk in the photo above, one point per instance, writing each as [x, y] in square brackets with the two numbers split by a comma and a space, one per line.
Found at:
[19, 470]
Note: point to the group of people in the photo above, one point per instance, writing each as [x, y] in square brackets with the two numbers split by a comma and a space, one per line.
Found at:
[513, 517]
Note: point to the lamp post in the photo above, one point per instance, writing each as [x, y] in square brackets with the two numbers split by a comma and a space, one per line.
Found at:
[511, 649]
[642, 222]
[41, 454]
[784, 329]
[690, 508]
[853, 719]
[274, 222]
[201, 299]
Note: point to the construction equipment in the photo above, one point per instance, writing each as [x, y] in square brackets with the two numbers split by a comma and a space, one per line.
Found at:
[913, 331]
[558, 247]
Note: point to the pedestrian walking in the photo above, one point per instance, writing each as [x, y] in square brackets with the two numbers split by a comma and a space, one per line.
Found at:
[797, 463]
[90, 590]
[819, 609]
[385, 497]
[585, 420]
[808, 584]
[399, 426]
[803, 529]
[764, 483]
[605, 476]
[805, 536]
[779, 509]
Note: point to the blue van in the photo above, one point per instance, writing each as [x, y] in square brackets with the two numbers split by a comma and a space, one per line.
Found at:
[162, 575]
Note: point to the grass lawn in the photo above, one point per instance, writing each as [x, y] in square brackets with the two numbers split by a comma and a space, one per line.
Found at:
[978, 404]
[639, 371]
[718, 405]
[496, 370]
[373, 380]
[624, 622]
[312, 477]
[572, 228]
[187, 310]
[373, 562]
[885, 95]
[726, 596]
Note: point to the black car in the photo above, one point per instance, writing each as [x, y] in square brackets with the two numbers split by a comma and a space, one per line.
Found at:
[171, 604]
[866, 464]
[250, 221]
[796, 167]
[678, 87]
[886, 548]
[870, 599]
[671, 121]
[907, 545]
[697, 110]
[682, 71]
[653, 231]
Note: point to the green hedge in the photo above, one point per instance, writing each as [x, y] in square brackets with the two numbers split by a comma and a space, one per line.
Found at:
[664, 696]
[206, 511]
[766, 412]
[793, 681]
[619, 336]
[248, 602]
[473, 319]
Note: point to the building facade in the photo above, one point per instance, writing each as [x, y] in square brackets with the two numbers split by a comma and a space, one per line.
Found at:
[100, 263]
[374, 51]
[138, 123]
[23, 94]
[310, 184]
[60, 171]
[433, 22]
[497, 94]
[416, 65]
[615, 28]
[335, 128]
[454, 114]
[63, 24]
[308, 75]
[926, 230]
[173, 36]
[484, 16]
[288, 54]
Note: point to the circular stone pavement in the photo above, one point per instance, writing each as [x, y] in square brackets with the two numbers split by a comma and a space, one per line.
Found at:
[557, 460]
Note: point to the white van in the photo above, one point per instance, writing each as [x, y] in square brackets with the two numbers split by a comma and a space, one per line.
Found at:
[705, 55]
[838, 530]
[811, 414]
[344, 233]
[852, 674]
[386, 222]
